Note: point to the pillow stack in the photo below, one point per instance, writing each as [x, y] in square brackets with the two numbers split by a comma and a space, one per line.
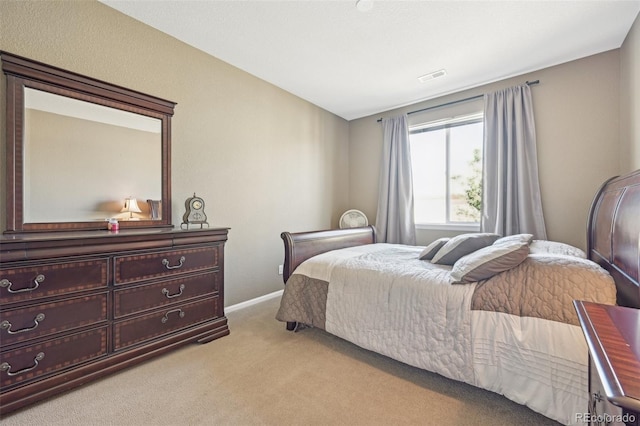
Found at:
[478, 256]
[462, 245]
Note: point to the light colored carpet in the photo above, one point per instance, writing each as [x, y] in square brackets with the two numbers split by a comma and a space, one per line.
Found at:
[262, 374]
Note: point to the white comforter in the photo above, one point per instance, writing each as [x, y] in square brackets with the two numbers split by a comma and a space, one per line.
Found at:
[387, 307]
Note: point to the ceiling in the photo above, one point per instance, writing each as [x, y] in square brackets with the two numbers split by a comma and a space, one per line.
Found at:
[356, 63]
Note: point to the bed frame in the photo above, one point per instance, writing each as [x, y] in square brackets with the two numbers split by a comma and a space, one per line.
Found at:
[613, 238]
[303, 245]
[613, 234]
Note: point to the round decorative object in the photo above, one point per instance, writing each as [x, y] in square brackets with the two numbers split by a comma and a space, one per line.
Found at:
[353, 219]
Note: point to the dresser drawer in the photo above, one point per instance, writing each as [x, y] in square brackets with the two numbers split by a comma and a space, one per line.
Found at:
[17, 325]
[139, 329]
[151, 296]
[33, 362]
[50, 279]
[138, 267]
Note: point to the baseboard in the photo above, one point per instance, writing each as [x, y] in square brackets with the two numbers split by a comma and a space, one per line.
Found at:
[252, 302]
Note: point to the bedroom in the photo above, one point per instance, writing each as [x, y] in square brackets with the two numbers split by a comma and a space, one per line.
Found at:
[222, 112]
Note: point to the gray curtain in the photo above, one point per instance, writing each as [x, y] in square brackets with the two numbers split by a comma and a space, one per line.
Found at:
[394, 220]
[511, 202]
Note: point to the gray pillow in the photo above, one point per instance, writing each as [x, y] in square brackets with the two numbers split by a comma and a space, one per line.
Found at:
[462, 245]
[489, 261]
[525, 238]
[430, 250]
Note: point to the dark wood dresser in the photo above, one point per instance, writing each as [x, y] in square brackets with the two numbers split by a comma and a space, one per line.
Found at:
[613, 337]
[75, 306]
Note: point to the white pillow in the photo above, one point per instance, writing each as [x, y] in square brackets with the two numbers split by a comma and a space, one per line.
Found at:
[489, 261]
[430, 250]
[462, 245]
[525, 238]
[554, 248]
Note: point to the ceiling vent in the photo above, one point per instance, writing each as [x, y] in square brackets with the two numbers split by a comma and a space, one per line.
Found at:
[431, 76]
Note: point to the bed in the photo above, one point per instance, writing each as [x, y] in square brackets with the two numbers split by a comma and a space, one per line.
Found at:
[515, 333]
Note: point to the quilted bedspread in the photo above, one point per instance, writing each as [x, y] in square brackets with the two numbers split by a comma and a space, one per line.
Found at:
[388, 301]
[515, 333]
[544, 286]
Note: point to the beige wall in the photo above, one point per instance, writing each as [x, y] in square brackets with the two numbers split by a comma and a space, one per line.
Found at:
[630, 100]
[264, 160]
[576, 106]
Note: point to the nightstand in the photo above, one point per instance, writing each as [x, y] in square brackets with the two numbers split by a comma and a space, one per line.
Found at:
[613, 337]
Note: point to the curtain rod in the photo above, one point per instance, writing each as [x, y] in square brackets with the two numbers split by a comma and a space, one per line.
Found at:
[528, 83]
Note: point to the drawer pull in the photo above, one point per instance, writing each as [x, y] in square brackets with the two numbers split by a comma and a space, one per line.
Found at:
[165, 262]
[171, 296]
[165, 318]
[5, 366]
[7, 325]
[7, 284]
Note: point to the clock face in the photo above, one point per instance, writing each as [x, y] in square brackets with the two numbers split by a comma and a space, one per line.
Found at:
[196, 204]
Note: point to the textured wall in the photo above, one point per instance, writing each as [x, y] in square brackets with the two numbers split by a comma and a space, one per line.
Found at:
[264, 160]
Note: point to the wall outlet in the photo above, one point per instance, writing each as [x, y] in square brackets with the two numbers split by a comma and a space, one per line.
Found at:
[280, 269]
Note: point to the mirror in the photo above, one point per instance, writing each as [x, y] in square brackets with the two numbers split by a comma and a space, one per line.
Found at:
[78, 149]
[122, 159]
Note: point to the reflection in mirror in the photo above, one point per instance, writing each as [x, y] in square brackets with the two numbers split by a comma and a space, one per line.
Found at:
[82, 160]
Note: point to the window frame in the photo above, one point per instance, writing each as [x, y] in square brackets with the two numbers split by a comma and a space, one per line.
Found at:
[447, 124]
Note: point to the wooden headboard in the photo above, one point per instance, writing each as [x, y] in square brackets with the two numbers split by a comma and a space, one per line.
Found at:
[613, 234]
[303, 245]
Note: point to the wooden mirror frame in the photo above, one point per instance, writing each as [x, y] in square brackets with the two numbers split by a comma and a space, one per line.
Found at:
[20, 73]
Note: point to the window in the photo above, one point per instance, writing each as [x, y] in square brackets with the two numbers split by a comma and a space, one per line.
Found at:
[446, 157]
